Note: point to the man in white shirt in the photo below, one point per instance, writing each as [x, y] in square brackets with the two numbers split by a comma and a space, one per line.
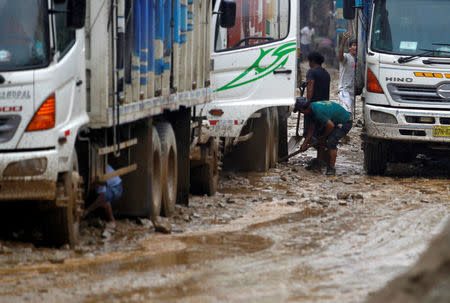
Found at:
[347, 64]
[307, 40]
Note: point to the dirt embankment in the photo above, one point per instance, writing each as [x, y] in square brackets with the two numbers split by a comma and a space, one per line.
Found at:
[428, 281]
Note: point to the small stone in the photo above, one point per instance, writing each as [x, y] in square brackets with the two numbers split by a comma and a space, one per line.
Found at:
[343, 203]
[357, 196]
[65, 247]
[57, 258]
[291, 203]
[185, 217]
[195, 215]
[144, 222]
[162, 225]
[106, 234]
[231, 201]
[5, 250]
[43, 290]
[283, 178]
[221, 205]
[343, 196]
[226, 217]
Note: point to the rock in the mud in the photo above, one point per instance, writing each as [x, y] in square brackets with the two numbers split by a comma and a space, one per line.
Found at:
[231, 201]
[343, 195]
[5, 249]
[65, 247]
[57, 258]
[144, 222]
[162, 225]
[106, 234]
[357, 196]
[290, 203]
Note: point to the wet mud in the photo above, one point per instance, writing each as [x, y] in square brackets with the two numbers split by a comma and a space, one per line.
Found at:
[288, 235]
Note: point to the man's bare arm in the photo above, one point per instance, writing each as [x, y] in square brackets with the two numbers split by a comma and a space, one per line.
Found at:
[341, 48]
[310, 90]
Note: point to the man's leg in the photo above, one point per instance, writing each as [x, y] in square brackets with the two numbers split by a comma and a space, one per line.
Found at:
[109, 212]
[332, 154]
[99, 202]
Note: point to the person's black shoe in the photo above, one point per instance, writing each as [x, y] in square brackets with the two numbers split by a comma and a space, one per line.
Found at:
[315, 164]
[330, 171]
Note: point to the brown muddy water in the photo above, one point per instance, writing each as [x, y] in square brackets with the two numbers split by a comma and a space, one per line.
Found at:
[288, 235]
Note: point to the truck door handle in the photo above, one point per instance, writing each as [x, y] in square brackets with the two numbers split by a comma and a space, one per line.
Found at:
[282, 71]
[79, 82]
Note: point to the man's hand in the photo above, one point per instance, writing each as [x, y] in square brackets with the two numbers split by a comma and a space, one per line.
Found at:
[304, 146]
[346, 36]
[341, 48]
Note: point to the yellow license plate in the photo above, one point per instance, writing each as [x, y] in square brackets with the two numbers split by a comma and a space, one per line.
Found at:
[441, 131]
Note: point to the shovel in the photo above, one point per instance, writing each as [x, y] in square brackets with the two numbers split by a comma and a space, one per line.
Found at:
[294, 141]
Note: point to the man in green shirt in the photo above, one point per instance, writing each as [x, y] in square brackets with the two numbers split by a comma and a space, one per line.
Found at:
[331, 121]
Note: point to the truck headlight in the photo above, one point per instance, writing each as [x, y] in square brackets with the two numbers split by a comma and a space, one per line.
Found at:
[381, 117]
[25, 168]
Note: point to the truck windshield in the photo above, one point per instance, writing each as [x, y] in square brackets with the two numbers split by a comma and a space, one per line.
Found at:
[23, 34]
[407, 27]
[257, 22]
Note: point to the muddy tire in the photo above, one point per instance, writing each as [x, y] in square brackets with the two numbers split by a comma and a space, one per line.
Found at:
[375, 158]
[275, 136]
[169, 168]
[205, 178]
[256, 151]
[156, 191]
[62, 221]
[283, 114]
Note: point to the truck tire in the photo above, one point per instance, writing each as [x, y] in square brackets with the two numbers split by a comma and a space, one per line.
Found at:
[61, 224]
[169, 168]
[283, 114]
[156, 191]
[275, 138]
[257, 150]
[205, 178]
[375, 158]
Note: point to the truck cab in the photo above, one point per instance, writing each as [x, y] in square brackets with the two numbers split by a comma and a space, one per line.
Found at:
[407, 75]
[254, 77]
[41, 77]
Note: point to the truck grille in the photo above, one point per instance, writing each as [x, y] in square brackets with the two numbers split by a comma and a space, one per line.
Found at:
[415, 94]
[8, 127]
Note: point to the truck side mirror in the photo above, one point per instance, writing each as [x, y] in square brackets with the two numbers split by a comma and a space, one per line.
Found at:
[227, 13]
[349, 9]
[76, 13]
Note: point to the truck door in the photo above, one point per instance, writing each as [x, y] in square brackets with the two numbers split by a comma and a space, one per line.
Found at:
[253, 64]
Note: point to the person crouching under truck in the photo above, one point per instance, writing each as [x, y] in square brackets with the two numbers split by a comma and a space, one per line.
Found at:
[107, 195]
[333, 121]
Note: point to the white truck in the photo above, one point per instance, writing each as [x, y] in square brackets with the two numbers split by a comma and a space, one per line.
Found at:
[405, 51]
[130, 84]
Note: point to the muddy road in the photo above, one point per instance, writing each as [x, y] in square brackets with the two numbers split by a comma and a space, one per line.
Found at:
[289, 235]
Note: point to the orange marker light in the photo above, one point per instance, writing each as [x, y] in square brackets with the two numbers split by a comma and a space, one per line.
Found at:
[45, 116]
[417, 74]
[373, 85]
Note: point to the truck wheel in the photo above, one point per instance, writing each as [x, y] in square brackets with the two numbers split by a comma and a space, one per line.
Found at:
[156, 192]
[205, 178]
[283, 113]
[169, 169]
[62, 221]
[375, 158]
[275, 138]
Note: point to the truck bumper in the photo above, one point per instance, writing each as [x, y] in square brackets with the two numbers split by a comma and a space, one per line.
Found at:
[28, 175]
[412, 125]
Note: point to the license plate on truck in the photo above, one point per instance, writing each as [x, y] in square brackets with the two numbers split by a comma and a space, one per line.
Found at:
[441, 131]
